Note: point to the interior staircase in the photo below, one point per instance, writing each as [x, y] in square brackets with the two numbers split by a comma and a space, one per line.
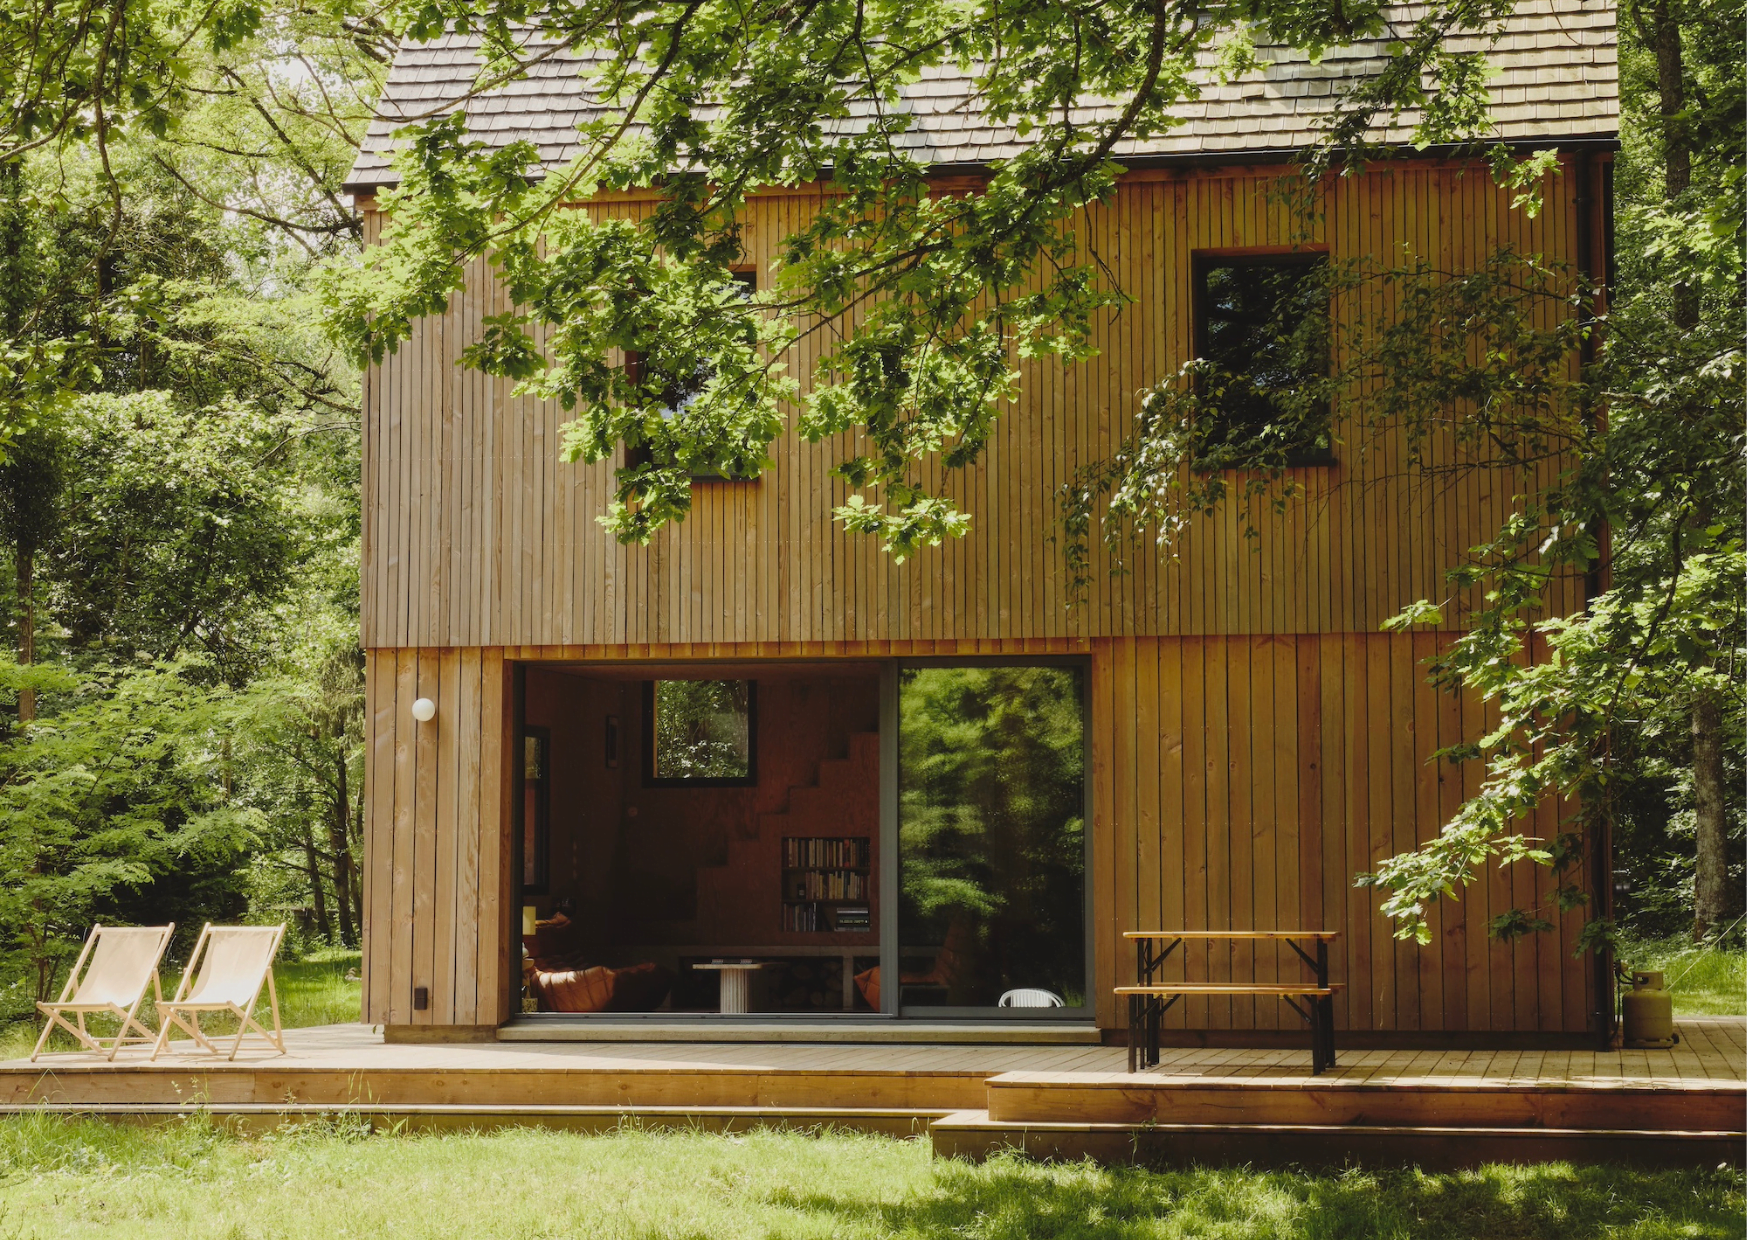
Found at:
[740, 900]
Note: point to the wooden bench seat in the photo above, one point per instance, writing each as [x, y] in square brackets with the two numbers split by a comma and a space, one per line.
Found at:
[1150, 998]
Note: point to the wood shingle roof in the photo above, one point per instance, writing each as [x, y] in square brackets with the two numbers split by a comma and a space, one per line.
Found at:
[1555, 79]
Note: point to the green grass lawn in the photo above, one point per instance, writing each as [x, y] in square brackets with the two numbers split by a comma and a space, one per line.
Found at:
[79, 1178]
[1702, 980]
[312, 991]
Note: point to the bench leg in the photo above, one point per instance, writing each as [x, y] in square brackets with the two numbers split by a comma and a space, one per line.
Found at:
[1134, 1032]
[1326, 1008]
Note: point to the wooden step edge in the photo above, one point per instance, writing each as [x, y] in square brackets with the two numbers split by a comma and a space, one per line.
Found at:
[980, 1121]
[269, 1117]
[531, 1110]
[1139, 1081]
[972, 1135]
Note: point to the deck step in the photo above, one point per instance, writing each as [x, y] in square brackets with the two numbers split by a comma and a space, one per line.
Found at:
[1232, 1101]
[256, 1117]
[282, 1083]
[974, 1135]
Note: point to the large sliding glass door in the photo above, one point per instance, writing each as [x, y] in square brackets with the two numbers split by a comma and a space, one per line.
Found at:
[992, 854]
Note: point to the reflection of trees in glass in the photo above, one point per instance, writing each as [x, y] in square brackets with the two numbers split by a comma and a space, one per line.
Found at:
[701, 729]
[991, 838]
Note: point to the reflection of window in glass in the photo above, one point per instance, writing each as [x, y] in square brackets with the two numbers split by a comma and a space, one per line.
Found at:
[536, 831]
[1263, 321]
[992, 840]
[699, 731]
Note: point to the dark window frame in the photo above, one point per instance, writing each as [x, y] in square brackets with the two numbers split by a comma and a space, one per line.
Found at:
[1201, 262]
[651, 780]
[542, 859]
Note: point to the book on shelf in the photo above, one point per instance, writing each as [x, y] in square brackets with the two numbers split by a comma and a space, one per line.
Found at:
[804, 853]
[828, 885]
[818, 918]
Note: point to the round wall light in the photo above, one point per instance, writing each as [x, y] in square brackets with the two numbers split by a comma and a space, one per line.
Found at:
[424, 710]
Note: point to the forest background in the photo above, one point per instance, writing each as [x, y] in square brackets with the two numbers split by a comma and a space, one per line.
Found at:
[181, 694]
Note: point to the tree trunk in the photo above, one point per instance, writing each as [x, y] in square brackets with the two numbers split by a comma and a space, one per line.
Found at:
[26, 562]
[1711, 861]
[318, 887]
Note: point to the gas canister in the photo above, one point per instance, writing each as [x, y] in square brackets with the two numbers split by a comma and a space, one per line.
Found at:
[1648, 1013]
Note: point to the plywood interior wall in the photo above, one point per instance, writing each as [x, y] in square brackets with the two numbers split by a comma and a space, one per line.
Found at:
[641, 866]
[477, 535]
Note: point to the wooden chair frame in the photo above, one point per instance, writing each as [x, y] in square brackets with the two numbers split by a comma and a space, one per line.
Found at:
[129, 1016]
[172, 1012]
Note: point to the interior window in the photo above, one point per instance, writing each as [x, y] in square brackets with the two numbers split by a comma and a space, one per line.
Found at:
[1263, 322]
[699, 731]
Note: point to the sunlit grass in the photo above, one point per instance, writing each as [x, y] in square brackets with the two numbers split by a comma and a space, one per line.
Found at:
[1703, 980]
[312, 991]
[79, 1178]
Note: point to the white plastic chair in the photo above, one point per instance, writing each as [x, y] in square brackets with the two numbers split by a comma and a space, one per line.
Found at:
[117, 962]
[1030, 998]
[229, 966]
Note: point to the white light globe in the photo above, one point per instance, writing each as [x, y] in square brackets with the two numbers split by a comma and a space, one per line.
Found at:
[424, 710]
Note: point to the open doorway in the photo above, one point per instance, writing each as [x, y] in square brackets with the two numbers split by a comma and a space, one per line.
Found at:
[701, 839]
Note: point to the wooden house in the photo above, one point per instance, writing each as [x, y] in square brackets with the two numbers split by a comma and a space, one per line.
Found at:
[760, 742]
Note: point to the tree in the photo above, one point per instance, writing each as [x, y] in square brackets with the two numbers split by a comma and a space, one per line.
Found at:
[1649, 678]
[179, 515]
[123, 787]
[1698, 108]
[931, 298]
[925, 300]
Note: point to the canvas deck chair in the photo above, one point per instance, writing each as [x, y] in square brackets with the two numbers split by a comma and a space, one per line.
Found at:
[229, 967]
[110, 976]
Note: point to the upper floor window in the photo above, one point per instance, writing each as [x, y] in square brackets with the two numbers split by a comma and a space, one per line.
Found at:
[1262, 322]
[680, 392]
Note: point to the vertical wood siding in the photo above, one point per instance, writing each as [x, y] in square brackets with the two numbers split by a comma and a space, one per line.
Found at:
[437, 890]
[476, 534]
[1239, 782]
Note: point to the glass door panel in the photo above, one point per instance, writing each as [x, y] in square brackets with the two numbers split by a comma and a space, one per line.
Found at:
[992, 838]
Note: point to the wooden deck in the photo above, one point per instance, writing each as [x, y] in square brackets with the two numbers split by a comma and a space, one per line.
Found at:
[1687, 1105]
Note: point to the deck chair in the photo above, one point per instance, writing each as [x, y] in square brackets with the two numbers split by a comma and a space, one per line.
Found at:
[229, 966]
[110, 976]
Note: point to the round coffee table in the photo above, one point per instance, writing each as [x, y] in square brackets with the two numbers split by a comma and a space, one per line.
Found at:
[734, 976]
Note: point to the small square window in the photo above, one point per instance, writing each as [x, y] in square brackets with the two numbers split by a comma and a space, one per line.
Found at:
[700, 732]
[1263, 320]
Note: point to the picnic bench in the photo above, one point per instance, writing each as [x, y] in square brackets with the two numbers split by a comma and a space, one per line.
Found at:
[1149, 998]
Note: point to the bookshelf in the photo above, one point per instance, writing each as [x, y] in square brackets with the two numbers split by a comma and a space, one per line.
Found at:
[825, 885]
